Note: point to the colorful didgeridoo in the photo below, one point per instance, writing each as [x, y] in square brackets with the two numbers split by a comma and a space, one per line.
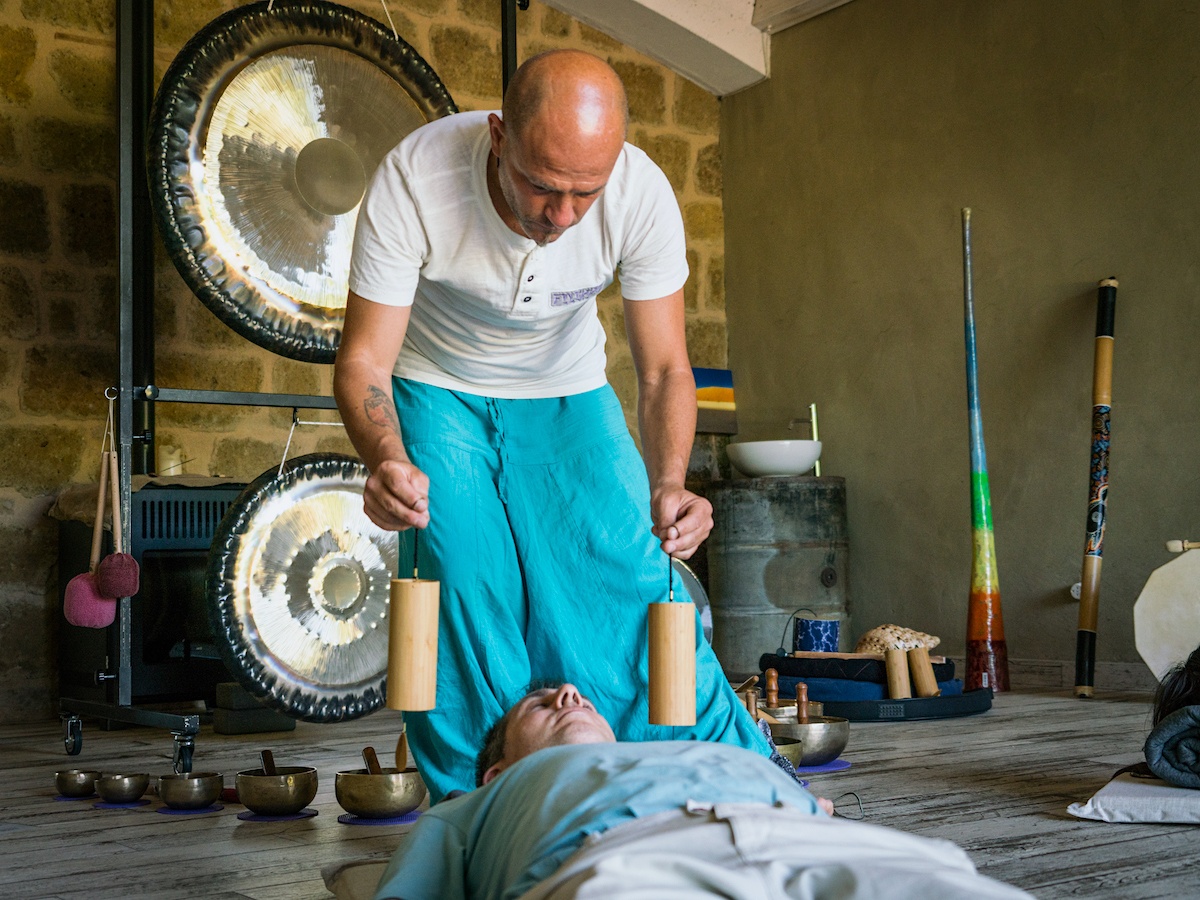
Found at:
[1093, 548]
[987, 655]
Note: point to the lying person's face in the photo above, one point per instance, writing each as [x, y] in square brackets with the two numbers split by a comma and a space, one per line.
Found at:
[550, 717]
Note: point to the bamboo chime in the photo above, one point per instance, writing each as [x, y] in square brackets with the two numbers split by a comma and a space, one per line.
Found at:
[672, 659]
[412, 641]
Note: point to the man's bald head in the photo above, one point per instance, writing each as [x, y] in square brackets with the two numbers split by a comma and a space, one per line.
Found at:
[569, 90]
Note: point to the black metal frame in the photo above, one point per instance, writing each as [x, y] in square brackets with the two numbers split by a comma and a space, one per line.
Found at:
[136, 391]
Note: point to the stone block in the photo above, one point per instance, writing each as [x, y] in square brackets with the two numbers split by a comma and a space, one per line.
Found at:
[598, 39]
[64, 281]
[704, 221]
[555, 24]
[102, 307]
[73, 148]
[18, 48]
[291, 377]
[175, 21]
[335, 442]
[466, 61]
[39, 459]
[67, 381]
[204, 329]
[709, 174]
[425, 7]
[88, 83]
[61, 318]
[623, 378]
[671, 152]
[716, 283]
[89, 224]
[646, 89]
[691, 291]
[245, 458]
[9, 155]
[88, 15]
[695, 108]
[708, 344]
[18, 309]
[29, 551]
[25, 225]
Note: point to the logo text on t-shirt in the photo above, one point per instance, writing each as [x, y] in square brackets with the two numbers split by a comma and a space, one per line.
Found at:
[570, 298]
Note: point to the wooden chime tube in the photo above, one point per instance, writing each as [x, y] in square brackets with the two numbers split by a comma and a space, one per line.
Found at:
[412, 644]
[673, 663]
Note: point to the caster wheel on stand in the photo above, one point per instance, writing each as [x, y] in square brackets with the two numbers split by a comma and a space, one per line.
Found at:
[72, 735]
[185, 747]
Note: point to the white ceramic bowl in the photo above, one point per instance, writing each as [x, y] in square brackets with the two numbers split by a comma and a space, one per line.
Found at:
[760, 459]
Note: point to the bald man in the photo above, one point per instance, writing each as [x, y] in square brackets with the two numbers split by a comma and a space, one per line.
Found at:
[471, 379]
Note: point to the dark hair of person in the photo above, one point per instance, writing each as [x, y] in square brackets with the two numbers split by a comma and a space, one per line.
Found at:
[1179, 688]
[493, 742]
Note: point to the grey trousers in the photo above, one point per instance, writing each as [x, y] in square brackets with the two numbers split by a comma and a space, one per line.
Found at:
[756, 852]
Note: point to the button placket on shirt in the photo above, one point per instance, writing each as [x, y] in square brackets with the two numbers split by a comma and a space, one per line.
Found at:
[527, 300]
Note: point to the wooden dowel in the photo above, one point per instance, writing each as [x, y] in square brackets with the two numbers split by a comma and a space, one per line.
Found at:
[672, 663]
[772, 691]
[412, 644]
[921, 669]
[801, 702]
[896, 663]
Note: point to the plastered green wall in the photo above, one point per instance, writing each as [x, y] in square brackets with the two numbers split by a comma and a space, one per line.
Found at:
[1071, 129]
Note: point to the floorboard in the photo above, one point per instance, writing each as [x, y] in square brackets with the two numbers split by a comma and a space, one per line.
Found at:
[998, 784]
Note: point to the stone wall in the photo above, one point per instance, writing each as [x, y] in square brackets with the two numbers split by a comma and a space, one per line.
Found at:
[58, 272]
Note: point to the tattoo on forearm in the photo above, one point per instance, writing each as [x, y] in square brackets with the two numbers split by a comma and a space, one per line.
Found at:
[379, 409]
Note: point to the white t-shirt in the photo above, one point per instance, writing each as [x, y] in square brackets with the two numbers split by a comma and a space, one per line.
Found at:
[493, 313]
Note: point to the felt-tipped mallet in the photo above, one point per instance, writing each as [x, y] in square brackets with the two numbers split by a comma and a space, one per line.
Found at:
[84, 605]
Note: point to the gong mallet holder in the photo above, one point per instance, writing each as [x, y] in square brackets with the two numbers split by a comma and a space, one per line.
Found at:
[1093, 548]
[987, 653]
[672, 658]
[412, 641]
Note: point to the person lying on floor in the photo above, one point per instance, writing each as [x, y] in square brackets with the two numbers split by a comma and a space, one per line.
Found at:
[564, 810]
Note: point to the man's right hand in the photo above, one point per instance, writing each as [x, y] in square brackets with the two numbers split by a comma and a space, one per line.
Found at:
[396, 496]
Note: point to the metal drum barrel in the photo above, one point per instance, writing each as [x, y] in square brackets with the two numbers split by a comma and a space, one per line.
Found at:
[778, 545]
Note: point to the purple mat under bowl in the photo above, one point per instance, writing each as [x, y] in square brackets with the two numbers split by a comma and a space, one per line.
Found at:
[134, 805]
[211, 808]
[406, 819]
[837, 765]
[249, 816]
[91, 796]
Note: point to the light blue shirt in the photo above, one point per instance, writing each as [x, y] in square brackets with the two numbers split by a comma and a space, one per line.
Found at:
[500, 840]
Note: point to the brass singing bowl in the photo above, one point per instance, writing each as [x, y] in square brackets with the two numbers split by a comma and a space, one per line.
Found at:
[285, 793]
[190, 790]
[122, 788]
[76, 782]
[821, 739]
[391, 793]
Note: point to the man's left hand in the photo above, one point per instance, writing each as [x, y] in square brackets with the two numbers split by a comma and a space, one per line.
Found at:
[682, 520]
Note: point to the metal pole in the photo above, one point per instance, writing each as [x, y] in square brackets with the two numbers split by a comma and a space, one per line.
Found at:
[508, 36]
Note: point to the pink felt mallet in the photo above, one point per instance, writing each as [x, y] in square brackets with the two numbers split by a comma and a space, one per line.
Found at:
[118, 574]
[83, 604]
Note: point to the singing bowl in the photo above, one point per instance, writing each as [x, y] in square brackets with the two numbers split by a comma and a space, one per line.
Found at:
[764, 459]
[815, 708]
[122, 788]
[76, 782]
[192, 790]
[822, 739]
[285, 793]
[391, 793]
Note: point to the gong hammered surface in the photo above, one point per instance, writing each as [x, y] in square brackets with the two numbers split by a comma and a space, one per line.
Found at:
[298, 585]
[264, 134]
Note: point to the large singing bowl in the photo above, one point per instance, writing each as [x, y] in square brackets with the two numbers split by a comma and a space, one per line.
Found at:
[391, 793]
[821, 738]
[264, 134]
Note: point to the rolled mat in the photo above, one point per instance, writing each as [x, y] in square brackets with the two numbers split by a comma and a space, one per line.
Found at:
[838, 667]
[1173, 748]
[829, 690]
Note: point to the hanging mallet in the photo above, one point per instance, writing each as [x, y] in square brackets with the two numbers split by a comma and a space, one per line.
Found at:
[412, 641]
[672, 658]
[1180, 546]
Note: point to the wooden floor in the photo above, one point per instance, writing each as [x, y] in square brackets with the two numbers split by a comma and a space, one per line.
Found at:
[998, 784]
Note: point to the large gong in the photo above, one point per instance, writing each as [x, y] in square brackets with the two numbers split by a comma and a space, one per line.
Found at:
[264, 134]
[298, 584]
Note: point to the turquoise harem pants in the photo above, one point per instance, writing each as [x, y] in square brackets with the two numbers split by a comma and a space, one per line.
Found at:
[539, 533]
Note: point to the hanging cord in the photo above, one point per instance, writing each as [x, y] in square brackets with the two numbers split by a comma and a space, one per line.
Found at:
[670, 579]
[387, 12]
[296, 420]
[857, 799]
[110, 394]
[783, 637]
[416, 532]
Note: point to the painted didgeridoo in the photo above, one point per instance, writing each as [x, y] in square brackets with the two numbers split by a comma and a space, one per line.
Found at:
[1093, 548]
[987, 655]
